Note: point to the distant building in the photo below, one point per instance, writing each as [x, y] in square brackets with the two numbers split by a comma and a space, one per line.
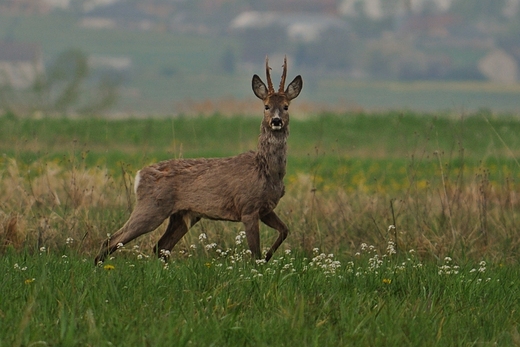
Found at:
[304, 27]
[62, 4]
[498, 66]
[377, 9]
[24, 7]
[21, 64]
[119, 15]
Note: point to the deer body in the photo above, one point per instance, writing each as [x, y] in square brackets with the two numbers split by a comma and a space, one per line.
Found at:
[245, 188]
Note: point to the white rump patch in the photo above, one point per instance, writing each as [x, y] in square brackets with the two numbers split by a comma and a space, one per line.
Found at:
[136, 181]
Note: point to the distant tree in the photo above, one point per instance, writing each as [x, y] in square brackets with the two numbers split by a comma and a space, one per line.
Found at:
[390, 58]
[228, 61]
[257, 43]
[68, 87]
[71, 87]
[333, 51]
[65, 78]
[478, 10]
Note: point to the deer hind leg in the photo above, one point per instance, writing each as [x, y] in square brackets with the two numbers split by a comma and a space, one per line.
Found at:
[177, 227]
[252, 234]
[272, 220]
[142, 220]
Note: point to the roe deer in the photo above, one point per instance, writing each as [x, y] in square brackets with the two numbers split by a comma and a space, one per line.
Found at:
[245, 188]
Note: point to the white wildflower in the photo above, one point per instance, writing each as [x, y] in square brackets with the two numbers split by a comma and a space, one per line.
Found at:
[165, 253]
[240, 237]
[261, 261]
[482, 267]
[390, 248]
[210, 246]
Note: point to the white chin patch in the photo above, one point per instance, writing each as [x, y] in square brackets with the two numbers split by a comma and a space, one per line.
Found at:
[276, 127]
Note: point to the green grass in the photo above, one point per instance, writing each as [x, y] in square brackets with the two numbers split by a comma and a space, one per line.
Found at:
[333, 147]
[58, 298]
[448, 184]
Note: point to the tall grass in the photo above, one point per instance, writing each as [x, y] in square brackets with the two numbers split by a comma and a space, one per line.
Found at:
[448, 185]
[403, 232]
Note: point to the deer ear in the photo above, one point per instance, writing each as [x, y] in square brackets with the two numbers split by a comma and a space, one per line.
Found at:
[294, 88]
[259, 88]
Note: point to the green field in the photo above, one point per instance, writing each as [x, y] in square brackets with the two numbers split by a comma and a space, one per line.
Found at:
[403, 232]
[170, 70]
[59, 298]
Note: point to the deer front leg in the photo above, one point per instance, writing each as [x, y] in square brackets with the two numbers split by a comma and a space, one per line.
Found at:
[272, 221]
[252, 234]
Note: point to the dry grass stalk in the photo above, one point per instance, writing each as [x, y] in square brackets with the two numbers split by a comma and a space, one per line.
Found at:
[45, 203]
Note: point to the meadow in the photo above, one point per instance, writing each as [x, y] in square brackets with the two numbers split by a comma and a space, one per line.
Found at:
[403, 232]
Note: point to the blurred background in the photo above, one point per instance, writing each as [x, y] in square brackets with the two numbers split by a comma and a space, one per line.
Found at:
[165, 57]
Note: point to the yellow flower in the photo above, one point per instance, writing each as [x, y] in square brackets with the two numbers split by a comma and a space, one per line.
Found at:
[29, 281]
[109, 267]
[387, 281]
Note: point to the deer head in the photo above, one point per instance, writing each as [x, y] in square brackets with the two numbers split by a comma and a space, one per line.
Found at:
[276, 104]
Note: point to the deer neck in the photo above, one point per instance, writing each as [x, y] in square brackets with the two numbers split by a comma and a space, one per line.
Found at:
[272, 151]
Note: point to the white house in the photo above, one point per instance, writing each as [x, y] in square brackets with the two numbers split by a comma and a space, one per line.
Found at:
[304, 27]
[498, 66]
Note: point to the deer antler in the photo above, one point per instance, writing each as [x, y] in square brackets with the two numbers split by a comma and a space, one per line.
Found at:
[268, 75]
[284, 74]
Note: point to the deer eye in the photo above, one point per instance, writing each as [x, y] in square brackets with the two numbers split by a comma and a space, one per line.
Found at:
[266, 107]
[286, 107]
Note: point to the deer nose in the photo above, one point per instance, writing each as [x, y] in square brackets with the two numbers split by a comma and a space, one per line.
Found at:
[276, 123]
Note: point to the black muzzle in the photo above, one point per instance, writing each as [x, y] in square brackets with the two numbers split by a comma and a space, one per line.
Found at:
[276, 123]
